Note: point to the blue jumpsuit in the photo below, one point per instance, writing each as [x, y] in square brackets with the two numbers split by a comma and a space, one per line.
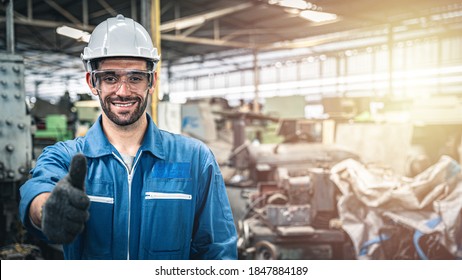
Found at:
[171, 205]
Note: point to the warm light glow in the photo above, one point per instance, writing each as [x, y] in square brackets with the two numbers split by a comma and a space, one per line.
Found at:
[73, 33]
[316, 16]
[292, 11]
[305, 9]
[419, 80]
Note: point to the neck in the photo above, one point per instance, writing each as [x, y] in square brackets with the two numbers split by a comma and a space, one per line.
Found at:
[126, 139]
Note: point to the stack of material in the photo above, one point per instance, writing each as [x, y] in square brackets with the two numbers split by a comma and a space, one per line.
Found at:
[393, 217]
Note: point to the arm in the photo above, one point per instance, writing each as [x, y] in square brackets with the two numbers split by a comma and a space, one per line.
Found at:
[214, 235]
[52, 165]
[61, 214]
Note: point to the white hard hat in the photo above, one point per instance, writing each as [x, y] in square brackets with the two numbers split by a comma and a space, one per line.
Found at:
[119, 37]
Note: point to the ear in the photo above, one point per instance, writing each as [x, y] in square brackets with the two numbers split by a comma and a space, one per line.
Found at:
[154, 82]
[89, 83]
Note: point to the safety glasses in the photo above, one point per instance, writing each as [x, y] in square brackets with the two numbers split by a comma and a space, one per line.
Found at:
[110, 81]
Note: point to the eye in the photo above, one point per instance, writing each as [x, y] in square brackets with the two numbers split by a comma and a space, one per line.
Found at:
[137, 78]
[109, 78]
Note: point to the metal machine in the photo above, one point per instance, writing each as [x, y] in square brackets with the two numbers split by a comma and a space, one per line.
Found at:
[283, 201]
[287, 207]
[15, 143]
[16, 159]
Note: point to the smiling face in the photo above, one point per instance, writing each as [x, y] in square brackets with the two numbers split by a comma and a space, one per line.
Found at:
[126, 104]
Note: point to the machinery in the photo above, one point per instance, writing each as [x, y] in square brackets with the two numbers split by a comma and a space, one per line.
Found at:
[285, 203]
[55, 130]
[16, 159]
[15, 144]
[283, 200]
[52, 122]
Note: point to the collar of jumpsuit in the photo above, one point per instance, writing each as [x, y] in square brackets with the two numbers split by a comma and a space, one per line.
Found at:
[100, 145]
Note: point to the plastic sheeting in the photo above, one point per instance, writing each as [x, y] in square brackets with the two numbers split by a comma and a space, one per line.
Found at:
[374, 199]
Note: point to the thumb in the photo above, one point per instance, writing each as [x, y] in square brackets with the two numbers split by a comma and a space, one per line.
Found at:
[78, 171]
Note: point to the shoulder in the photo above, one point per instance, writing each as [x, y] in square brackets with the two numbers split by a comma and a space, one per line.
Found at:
[184, 148]
[179, 140]
[63, 150]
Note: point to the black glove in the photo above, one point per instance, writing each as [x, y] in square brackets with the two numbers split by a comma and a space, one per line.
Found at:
[66, 210]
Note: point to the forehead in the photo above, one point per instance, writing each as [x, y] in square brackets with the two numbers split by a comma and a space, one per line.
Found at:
[123, 63]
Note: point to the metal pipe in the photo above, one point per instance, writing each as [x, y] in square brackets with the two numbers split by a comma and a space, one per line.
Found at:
[85, 13]
[29, 10]
[10, 27]
[134, 10]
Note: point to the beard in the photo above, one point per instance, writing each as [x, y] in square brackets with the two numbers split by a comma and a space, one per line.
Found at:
[126, 118]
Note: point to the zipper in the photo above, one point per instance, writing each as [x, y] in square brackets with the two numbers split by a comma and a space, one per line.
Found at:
[129, 179]
[159, 195]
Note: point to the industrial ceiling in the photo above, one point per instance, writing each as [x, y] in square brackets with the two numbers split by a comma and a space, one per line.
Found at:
[197, 28]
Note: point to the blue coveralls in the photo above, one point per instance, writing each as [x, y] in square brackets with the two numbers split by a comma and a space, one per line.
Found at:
[172, 205]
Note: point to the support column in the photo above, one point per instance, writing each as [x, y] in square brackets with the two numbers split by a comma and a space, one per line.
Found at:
[390, 60]
[256, 82]
[155, 33]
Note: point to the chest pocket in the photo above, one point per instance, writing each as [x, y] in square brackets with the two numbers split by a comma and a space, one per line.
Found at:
[167, 217]
[169, 181]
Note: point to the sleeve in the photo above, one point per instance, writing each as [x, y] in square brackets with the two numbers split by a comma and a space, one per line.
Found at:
[52, 165]
[214, 235]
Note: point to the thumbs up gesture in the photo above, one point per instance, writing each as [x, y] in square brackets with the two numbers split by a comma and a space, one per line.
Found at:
[65, 212]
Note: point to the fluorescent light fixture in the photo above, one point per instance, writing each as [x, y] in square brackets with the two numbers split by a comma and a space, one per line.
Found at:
[318, 17]
[73, 33]
[306, 10]
[295, 4]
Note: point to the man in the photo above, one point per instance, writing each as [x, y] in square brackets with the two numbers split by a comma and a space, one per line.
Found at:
[128, 190]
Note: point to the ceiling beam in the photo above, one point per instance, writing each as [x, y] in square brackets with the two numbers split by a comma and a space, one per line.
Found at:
[107, 7]
[205, 41]
[191, 30]
[20, 19]
[166, 7]
[250, 31]
[189, 21]
[63, 12]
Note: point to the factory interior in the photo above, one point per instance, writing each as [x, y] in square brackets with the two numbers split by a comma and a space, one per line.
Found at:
[337, 125]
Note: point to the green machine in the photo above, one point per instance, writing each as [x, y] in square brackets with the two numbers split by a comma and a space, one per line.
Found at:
[56, 129]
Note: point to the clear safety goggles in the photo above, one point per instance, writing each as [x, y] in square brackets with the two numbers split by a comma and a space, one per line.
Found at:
[110, 81]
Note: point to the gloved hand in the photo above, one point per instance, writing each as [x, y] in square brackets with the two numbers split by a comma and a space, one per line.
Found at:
[65, 212]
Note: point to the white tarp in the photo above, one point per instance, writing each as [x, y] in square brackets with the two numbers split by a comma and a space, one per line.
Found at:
[428, 203]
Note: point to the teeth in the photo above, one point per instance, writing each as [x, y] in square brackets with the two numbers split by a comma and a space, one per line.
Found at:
[123, 105]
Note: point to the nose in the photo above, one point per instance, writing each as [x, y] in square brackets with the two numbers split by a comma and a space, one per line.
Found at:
[124, 88]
